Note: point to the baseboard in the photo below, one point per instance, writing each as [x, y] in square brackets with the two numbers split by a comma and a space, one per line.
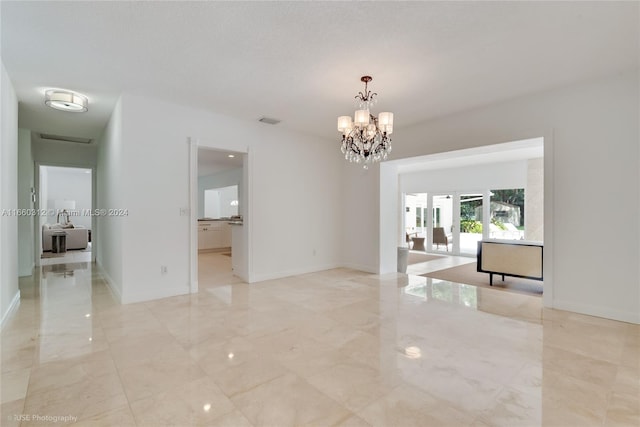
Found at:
[162, 293]
[15, 302]
[29, 272]
[604, 312]
[110, 283]
[281, 274]
[242, 275]
[361, 267]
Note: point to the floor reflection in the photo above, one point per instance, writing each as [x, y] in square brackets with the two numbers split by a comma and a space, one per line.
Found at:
[337, 347]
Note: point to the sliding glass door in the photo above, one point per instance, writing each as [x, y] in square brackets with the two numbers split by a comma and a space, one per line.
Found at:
[441, 234]
[454, 222]
[470, 221]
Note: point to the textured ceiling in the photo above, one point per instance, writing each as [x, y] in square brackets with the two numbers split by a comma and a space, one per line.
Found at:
[300, 62]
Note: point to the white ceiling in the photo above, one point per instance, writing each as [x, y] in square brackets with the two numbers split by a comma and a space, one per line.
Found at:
[301, 62]
[214, 161]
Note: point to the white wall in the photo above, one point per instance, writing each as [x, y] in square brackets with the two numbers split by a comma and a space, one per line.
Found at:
[294, 207]
[594, 157]
[58, 153]
[70, 184]
[26, 224]
[361, 217]
[108, 241]
[218, 180]
[9, 292]
[493, 176]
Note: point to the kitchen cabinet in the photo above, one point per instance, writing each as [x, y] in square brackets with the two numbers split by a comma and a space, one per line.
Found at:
[214, 235]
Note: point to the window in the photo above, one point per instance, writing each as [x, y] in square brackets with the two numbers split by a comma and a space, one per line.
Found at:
[507, 214]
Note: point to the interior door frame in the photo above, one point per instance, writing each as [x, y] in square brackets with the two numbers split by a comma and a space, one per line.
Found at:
[37, 236]
[245, 270]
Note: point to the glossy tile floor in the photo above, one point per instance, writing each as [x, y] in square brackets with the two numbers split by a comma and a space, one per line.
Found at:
[338, 347]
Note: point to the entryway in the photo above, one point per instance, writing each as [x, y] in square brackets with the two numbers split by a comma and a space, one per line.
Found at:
[219, 198]
[65, 217]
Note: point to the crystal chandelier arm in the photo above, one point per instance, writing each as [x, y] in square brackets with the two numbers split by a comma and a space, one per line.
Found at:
[368, 97]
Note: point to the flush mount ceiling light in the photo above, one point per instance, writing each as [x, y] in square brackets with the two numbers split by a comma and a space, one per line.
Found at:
[66, 101]
[365, 139]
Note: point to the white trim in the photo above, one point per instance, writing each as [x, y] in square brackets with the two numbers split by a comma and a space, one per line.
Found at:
[295, 272]
[145, 295]
[361, 267]
[246, 270]
[193, 215]
[110, 283]
[548, 220]
[604, 312]
[15, 302]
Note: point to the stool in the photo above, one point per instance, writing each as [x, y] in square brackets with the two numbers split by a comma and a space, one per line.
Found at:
[59, 242]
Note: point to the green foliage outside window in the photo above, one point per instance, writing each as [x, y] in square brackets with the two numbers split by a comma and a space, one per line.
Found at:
[498, 223]
[470, 226]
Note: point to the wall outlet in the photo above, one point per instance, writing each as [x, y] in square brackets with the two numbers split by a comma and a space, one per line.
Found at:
[164, 269]
[184, 211]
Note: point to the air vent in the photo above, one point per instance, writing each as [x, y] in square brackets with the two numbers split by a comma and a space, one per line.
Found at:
[66, 138]
[269, 120]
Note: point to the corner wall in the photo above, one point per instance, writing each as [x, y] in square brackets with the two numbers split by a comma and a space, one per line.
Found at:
[109, 194]
[26, 223]
[9, 292]
[294, 206]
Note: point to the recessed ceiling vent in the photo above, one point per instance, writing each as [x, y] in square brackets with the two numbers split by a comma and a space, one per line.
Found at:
[269, 120]
[66, 138]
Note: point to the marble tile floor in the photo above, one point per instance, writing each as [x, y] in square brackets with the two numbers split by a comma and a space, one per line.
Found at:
[69, 256]
[445, 261]
[334, 348]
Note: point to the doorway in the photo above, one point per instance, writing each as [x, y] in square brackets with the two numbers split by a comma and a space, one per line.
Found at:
[464, 175]
[65, 204]
[218, 206]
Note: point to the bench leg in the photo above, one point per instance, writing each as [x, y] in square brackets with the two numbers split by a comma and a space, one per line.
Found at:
[490, 279]
[503, 277]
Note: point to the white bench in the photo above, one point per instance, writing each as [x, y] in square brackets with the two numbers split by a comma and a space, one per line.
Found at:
[516, 258]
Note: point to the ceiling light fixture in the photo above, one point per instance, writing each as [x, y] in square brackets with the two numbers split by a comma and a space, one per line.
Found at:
[365, 139]
[66, 101]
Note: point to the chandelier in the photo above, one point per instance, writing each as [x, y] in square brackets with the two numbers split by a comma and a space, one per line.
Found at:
[365, 139]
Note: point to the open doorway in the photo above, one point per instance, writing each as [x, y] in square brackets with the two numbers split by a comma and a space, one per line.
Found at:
[220, 214]
[65, 220]
[452, 201]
